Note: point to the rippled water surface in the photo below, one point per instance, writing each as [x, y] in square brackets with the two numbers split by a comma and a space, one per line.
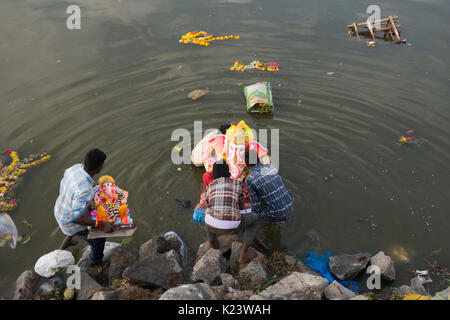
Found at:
[121, 84]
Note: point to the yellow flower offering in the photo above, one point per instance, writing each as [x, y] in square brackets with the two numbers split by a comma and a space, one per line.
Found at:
[202, 38]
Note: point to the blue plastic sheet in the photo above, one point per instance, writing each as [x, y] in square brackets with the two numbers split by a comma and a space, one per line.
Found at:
[319, 263]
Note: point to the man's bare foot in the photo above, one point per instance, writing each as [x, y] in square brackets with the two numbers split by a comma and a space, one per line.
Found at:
[249, 255]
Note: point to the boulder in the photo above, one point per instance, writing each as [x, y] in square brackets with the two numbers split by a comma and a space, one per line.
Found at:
[385, 264]
[236, 247]
[219, 292]
[209, 267]
[104, 295]
[347, 266]
[228, 281]
[336, 291]
[26, 285]
[296, 286]
[225, 242]
[159, 244]
[129, 292]
[297, 264]
[50, 262]
[254, 273]
[159, 270]
[198, 291]
[120, 259]
[234, 294]
[109, 247]
[444, 293]
[88, 286]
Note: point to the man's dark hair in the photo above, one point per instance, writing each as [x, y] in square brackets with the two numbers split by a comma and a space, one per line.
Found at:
[251, 157]
[223, 128]
[94, 158]
[221, 170]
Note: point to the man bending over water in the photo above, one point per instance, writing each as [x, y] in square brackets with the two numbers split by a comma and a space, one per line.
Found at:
[71, 207]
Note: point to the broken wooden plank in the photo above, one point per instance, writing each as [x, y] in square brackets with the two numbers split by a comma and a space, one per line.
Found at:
[356, 30]
[394, 27]
[369, 25]
[363, 24]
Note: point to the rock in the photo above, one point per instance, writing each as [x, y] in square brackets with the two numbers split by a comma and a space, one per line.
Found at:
[69, 294]
[444, 293]
[198, 291]
[236, 247]
[359, 297]
[417, 286]
[88, 287]
[336, 291]
[159, 244]
[50, 262]
[156, 271]
[234, 294]
[254, 273]
[109, 247]
[219, 291]
[297, 264]
[120, 259]
[26, 285]
[210, 266]
[228, 281]
[225, 244]
[347, 266]
[104, 295]
[296, 286]
[385, 264]
[127, 292]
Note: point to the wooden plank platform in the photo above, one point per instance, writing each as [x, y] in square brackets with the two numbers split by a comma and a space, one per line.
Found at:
[125, 230]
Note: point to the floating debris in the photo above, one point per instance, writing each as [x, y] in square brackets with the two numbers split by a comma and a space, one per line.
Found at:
[390, 30]
[271, 66]
[184, 203]
[409, 138]
[9, 175]
[194, 95]
[202, 38]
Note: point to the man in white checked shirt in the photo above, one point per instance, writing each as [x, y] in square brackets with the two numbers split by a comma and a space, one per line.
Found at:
[71, 207]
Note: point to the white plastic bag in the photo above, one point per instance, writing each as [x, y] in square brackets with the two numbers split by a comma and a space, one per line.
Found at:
[8, 230]
[49, 263]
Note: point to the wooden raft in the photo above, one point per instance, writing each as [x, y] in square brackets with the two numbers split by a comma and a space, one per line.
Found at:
[391, 29]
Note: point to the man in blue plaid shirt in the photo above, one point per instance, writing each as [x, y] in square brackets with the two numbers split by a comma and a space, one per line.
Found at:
[268, 194]
[71, 207]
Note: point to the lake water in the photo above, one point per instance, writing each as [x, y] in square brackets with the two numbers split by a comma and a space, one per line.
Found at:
[121, 84]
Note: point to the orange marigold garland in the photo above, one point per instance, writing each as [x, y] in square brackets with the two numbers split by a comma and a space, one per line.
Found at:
[202, 38]
[9, 175]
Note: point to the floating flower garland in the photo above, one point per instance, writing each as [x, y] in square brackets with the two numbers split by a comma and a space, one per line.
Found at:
[10, 175]
[202, 38]
[271, 66]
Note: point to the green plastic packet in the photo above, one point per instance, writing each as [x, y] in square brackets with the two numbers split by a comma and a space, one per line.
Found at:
[259, 98]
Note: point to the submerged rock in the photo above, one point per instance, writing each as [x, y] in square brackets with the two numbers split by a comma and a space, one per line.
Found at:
[347, 266]
[109, 247]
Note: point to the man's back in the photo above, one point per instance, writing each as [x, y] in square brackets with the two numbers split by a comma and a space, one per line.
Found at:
[74, 193]
[265, 184]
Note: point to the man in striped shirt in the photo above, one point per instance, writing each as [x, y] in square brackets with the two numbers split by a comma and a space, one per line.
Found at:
[268, 194]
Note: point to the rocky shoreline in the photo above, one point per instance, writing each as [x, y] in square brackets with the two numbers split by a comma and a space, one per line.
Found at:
[160, 272]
